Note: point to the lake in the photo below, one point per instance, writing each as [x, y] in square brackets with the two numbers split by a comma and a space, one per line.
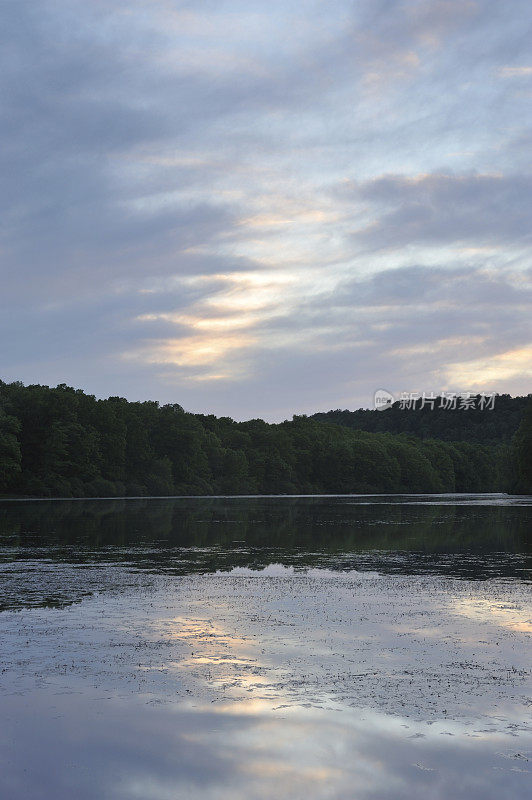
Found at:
[257, 647]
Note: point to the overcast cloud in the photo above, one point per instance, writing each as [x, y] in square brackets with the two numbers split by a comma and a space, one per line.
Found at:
[260, 209]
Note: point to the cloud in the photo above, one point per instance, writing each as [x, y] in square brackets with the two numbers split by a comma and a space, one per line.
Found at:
[445, 209]
[282, 203]
[410, 329]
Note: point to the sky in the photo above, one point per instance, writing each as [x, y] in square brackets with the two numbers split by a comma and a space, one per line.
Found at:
[260, 209]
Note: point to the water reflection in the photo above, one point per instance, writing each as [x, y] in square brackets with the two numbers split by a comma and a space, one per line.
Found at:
[131, 750]
[391, 534]
[328, 639]
[222, 648]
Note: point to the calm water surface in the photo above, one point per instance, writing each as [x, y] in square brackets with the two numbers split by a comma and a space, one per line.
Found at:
[316, 647]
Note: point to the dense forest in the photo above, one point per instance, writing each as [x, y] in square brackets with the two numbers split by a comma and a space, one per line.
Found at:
[63, 442]
[494, 423]
[522, 454]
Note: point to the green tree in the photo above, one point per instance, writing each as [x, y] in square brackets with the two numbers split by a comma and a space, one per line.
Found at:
[522, 450]
[10, 455]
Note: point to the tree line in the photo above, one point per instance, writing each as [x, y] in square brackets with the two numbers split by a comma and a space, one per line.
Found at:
[63, 442]
[476, 421]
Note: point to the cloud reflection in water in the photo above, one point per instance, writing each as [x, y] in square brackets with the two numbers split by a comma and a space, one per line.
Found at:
[116, 750]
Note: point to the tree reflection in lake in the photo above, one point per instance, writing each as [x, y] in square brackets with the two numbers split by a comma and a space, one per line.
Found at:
[469, 536]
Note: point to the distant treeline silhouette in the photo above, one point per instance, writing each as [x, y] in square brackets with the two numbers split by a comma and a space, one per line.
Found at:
[63, 442]
[479, 423]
